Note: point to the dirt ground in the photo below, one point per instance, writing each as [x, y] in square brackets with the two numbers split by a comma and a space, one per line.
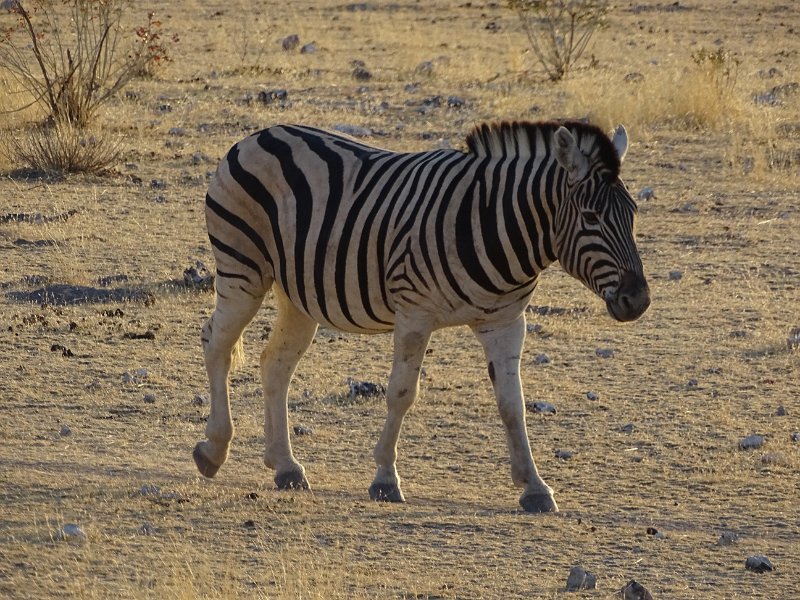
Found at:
[101, 366]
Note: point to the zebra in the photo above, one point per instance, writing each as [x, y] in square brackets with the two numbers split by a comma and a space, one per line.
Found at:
[366, 240]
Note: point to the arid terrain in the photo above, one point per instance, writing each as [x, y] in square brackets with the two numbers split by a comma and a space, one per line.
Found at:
[102, 384]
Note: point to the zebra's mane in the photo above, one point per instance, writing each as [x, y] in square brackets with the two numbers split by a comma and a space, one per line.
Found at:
[518, 138]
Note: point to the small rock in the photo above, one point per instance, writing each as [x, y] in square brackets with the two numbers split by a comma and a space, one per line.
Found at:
[352, 130]
[424, 69]
[580, 579]
[360, 73]
[656, 533]
[646, 193]
[727, 538]
[795, 437]
[65, 430]
[149, 489]
[290, 42]
[629, 428]
[633, 590]
[675, 275]
[774, 458]
[781, 411]
[533, 328]
[160, 199]
[302, 430]
[149, 398]
[544, 408]
[147, 529]
[752, 442]
[72, 533]
[456, 102]
[541, 359]
[793, 342]
[309, 48]
[738, 333]
[758, 563]
[564, 454]
[200, 158]
[272, 96]
[365, 389]
[692, 383]
[177, 131]
[593, 396]
[252, 496]
[200, 400]
[249, 524]
[198, 276]
[158, 184]
[604, 352]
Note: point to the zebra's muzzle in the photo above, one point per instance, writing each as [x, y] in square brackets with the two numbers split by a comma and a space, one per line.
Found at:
[631, 299]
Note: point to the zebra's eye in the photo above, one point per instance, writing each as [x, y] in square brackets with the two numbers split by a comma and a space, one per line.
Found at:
[590, 218]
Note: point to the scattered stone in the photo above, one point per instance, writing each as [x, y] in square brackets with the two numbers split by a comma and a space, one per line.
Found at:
[149, 489]
[147, 335]
[352, 130]
[252, 496]
[309, 48]
[738, 333]
[758, 563]
[564, 454]
[456, 102]
[541, 359]
[629, 428]
[302, 430]
[158, 184]
[633, 590]
[249, 524]
[795, 437]
[752, 442]
[65, 430]
[198, 276]
[727, 538]
[146, 529]
[149, 398]
[360, 73]
[675, 275]
[136, 378]
[774, 458]
[71, 532]
[646, 193]
[200, 157]
[544, 408]
[160, 199]
[280, 96]
[200, 400]
[364, 389]
[793, 341]
[290, 42]
[604, 352]
[580, 579]
[65, 352]
[424, 69]
[781, 411]
[692, 383]
[533, 328]
[633, 77]
[656, 533]
[164, 108]
[177, 131]
[593, 396]
[770, 73]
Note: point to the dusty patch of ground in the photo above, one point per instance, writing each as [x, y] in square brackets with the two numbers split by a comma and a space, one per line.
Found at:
[708, 365]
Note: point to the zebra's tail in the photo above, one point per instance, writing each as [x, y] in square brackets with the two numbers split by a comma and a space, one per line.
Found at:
[237, 355]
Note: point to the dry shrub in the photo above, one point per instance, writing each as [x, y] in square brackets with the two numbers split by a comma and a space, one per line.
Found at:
[72, 56]
[63, 148]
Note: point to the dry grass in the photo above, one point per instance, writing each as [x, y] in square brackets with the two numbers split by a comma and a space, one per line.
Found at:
[705, 367]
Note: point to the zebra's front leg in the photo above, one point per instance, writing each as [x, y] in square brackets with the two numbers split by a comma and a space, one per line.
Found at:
[291, 336]
[410, 341]
[503, 347]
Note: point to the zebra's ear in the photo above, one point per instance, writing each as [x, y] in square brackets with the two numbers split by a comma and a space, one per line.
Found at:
[619, 137]
[569, 156]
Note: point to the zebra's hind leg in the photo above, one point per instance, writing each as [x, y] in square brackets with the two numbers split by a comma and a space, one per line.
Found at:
[502, 345]
[410, 341]
[291, 336]
[221, 333]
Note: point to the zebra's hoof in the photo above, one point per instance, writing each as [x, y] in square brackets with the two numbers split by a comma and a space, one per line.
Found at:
[292, 480]
[386, 492]
[205, 466]
[538, 503]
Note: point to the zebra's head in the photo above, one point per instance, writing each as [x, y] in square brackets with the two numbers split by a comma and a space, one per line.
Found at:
[596, 217]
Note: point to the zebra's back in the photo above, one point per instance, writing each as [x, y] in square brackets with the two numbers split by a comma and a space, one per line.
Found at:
[332, 221]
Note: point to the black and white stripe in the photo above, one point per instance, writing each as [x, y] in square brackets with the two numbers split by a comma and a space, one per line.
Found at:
[366, 240]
